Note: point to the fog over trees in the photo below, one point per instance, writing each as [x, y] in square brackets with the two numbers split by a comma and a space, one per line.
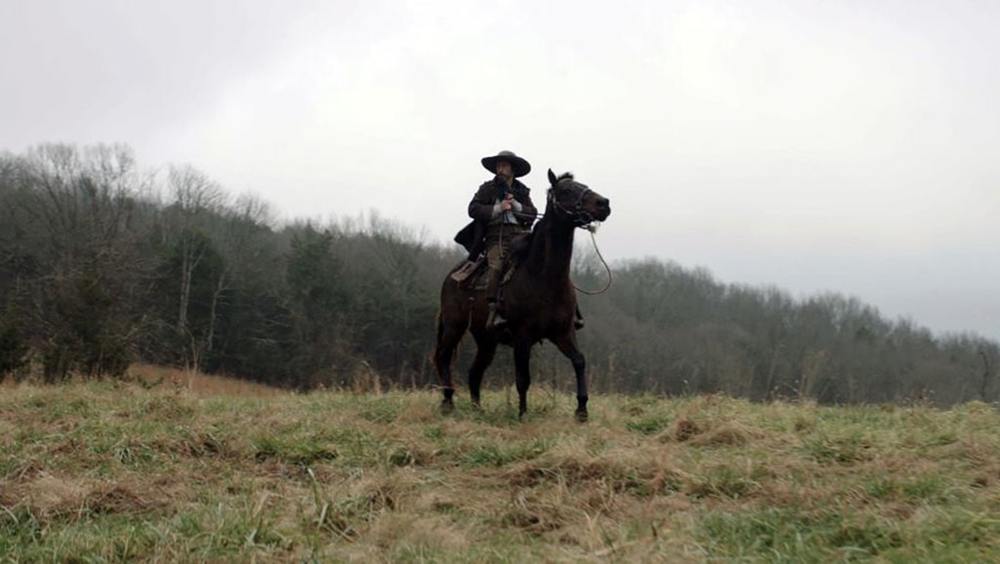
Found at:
[103, 263]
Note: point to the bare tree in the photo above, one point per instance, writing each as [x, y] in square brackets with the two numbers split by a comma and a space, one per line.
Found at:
[239, 239]
[194, 198]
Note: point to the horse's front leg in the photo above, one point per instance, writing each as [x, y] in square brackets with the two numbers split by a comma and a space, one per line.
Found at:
[567, 345]
[522, 358]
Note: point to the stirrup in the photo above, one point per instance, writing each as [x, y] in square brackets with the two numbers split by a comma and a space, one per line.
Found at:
[494, 320]
[499, 322]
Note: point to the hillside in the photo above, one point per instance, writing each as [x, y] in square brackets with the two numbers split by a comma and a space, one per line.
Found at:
[113, 471]
[104, 263]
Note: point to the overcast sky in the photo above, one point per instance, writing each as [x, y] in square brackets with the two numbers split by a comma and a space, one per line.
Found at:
[815, 146]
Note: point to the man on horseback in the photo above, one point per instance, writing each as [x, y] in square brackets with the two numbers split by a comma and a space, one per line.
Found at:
[539, 299]
[500, 210]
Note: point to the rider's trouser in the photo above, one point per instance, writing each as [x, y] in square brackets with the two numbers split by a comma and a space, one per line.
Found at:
[498, 238]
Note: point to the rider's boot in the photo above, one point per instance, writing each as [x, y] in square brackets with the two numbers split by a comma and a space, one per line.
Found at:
[578, 321]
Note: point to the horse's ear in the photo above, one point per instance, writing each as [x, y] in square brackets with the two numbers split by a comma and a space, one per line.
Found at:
[552, 178]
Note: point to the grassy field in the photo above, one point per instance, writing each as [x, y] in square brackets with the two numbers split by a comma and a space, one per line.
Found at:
[191, 470]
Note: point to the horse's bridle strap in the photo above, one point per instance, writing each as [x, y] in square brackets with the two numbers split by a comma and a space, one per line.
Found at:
[579, 216]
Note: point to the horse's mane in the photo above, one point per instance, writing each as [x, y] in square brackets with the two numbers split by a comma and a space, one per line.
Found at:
[564, 176]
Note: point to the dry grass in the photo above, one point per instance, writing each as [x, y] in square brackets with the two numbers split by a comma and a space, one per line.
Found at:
[196, 382]
[205, 468]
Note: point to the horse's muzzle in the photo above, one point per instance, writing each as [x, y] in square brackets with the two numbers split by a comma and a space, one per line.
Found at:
[603, 209]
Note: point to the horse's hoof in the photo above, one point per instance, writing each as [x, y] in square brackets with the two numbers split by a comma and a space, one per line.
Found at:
[447, 407]
[476, 406]
[581, 416]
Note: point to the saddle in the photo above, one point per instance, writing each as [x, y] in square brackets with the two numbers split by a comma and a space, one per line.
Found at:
[473, 274]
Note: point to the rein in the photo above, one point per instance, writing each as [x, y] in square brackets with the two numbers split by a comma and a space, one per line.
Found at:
[593, 239]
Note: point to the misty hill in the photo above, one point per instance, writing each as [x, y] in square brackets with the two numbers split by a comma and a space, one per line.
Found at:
[103, 264]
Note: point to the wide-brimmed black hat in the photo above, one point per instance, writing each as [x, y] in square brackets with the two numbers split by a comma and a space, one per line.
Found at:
[519, 165]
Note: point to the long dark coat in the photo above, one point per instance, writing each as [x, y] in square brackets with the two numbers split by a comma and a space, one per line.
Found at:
[481, 211]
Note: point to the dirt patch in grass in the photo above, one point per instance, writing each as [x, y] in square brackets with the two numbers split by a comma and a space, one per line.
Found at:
[727, 434]
[60, 498]
[113, 498]
[684, 429]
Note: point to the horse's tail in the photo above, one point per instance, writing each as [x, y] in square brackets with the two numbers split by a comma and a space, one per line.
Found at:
[440, 330]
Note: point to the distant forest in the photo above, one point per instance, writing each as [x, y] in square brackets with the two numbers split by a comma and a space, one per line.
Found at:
[103, 263]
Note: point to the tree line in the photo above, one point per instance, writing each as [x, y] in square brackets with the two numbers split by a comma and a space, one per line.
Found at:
[103, 263]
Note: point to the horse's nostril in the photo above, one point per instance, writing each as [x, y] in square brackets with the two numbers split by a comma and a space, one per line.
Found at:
[605, 202]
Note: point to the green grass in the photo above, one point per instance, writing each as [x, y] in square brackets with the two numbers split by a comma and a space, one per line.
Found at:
[112, 472]
[498, 454]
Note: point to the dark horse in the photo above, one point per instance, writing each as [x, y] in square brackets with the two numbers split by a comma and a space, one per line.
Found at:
[539, 299]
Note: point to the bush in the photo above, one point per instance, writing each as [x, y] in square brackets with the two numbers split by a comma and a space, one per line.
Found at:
[13, 349]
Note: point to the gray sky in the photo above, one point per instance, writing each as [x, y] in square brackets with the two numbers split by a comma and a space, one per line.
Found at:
[845, 146]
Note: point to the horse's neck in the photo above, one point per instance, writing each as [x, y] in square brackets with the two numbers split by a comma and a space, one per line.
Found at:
[551, 249]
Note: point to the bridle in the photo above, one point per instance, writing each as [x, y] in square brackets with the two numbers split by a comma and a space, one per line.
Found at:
[578, 216]
[581, 218]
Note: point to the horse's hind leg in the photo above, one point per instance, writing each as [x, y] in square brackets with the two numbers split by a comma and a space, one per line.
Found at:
[522, 365]
[487, 347]
[567, 345]
[449, 335]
